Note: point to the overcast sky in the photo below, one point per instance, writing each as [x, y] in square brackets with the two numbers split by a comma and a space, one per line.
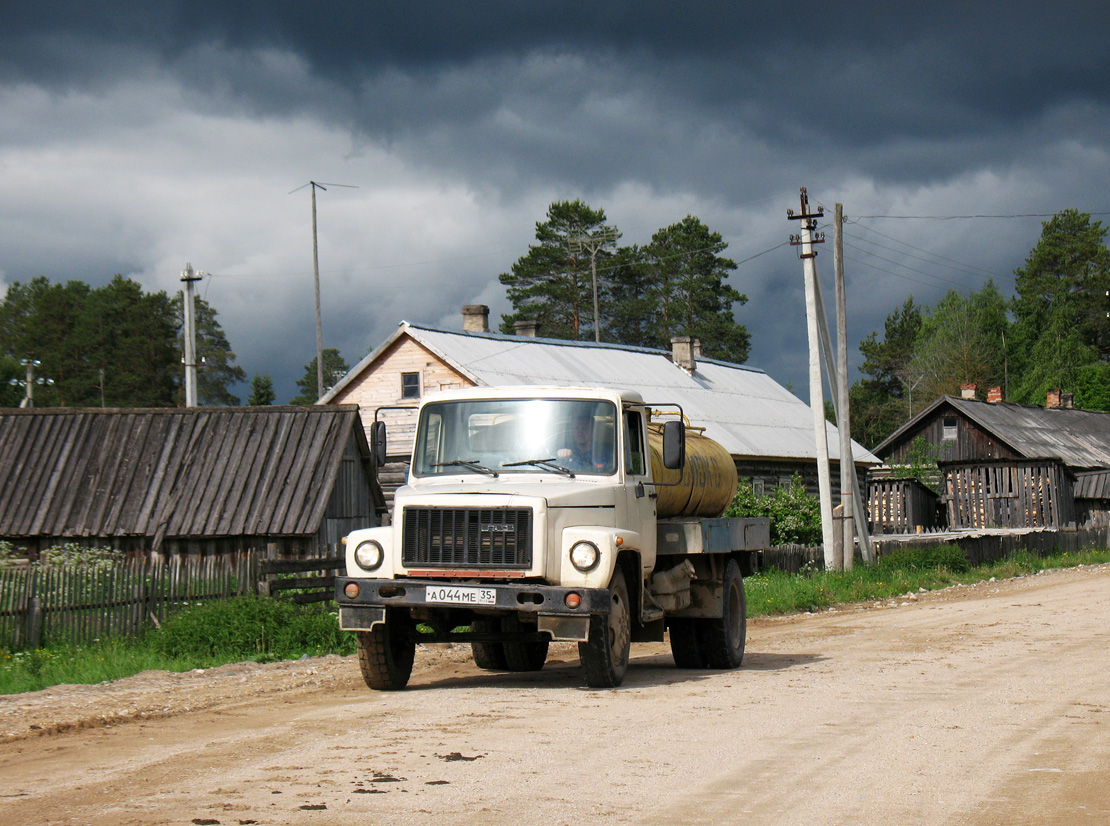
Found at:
[137, 137]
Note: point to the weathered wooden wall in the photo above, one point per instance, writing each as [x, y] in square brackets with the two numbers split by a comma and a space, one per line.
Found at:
[972, 443]
[379, 385]
[1018, 494]
[900, 505]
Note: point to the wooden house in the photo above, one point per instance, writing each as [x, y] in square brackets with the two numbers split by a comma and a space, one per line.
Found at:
[767, 429]
[284, 481]
[1007, 465]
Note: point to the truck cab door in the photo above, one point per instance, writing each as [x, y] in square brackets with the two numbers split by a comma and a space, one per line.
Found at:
[639, 497]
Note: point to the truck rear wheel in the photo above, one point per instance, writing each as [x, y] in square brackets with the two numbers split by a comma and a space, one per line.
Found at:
[522, 656]
[686, 644]
[605, 654]
[386, 652]
[488, 655]
[723, 639]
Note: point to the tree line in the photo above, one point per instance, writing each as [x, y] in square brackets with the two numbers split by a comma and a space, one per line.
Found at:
[112, 346]
[1053, 333]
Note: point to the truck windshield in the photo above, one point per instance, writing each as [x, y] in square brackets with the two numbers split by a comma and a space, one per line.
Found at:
[517, 436]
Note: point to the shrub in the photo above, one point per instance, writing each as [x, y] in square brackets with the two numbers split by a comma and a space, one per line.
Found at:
[795, 515]
[256, 628]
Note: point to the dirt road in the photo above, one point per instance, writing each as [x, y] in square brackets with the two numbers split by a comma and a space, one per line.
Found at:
[976, 705]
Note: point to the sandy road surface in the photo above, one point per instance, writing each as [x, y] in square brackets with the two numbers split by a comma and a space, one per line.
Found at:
[984, 705]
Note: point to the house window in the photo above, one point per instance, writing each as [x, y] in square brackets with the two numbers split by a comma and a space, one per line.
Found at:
[410, 385]
[949, 429]
[758, 487]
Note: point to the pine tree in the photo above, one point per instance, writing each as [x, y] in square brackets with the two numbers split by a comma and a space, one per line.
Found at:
[335, 368]
[553, 282]
[262, 390]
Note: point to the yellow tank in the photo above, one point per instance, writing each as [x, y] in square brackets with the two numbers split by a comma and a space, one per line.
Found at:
[707, 483]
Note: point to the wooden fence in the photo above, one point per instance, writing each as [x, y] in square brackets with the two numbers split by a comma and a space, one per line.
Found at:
[41, 604]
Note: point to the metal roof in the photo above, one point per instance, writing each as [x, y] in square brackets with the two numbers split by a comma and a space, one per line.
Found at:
[1078, 438]
[743, 408]
[198, 472]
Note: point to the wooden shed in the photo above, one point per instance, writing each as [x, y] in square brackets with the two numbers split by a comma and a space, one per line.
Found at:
[901, 505]
[283, 481]
[1026, 493]
[1007, 465]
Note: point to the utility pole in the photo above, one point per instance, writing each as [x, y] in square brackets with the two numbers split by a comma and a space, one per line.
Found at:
[847, 460]
[806, 239]
[190, 334]
[593, 243]
[29, 383]
[316, 282]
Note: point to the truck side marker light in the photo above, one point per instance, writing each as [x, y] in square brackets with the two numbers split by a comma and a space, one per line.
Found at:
[351, 590]
[618, 541]
[573, 600]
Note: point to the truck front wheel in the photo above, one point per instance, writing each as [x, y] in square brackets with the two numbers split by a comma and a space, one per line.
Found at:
[488, 655]
[605, 654]
[386, 653]
[522, 656]
[722, 640]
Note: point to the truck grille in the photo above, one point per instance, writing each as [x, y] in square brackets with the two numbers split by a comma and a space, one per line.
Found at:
[468, 537]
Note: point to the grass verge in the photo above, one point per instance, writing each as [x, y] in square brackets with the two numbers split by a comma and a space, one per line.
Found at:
[775, 592]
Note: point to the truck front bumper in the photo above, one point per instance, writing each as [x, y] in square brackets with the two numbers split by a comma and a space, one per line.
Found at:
[365, 609]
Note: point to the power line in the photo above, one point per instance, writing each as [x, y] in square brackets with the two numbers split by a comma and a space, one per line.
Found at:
[968, 217]
[961, 264]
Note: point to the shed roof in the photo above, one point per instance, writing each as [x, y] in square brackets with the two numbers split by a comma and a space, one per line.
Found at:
[197, 472]
[1078, 438]
[743, 408]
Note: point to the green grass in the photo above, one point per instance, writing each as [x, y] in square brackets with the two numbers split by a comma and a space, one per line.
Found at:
[201, 636]
[266, 630]
[775, 592]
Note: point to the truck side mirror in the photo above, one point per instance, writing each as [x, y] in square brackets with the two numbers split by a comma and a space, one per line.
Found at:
[674, 445]
[377, 443]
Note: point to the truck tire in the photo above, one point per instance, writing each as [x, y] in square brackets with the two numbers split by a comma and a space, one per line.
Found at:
[723, 639]
[686, 644]
[489, 656]
[386, 652]
[522, 656]
[605, 654]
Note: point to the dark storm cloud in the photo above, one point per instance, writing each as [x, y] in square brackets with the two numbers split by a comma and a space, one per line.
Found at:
[850, 73]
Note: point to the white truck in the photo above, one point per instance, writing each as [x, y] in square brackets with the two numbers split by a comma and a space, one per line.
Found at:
[533, 514]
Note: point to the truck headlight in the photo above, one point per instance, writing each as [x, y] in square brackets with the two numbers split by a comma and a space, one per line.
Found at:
[584, 556]
[369, 555]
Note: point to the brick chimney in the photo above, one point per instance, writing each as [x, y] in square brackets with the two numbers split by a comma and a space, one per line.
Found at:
[475, 318]
[967, 391]
[994, 395]
[682, 353]
[529, 328]
[1053, 400]
[1067, 401]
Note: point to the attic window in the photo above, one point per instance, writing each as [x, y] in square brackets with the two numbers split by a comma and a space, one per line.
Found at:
[949, 432]
[410, 385]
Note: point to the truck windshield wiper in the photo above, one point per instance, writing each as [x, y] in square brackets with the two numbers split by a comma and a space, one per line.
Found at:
[546, 464]
[472, 464]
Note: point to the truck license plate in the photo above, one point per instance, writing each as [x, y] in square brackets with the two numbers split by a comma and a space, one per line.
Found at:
[460, 595]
